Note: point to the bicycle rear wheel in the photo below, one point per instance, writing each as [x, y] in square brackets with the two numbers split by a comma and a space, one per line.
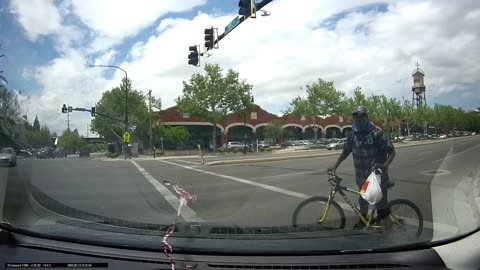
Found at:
[310, 213]
[406, 218]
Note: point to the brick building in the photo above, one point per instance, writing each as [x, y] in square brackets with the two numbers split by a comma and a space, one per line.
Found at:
[233, 128]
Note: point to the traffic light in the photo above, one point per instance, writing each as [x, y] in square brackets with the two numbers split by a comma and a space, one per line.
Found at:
[64, 109]
[193, 56]
[93, 112]
[209, 38]
[246, 8]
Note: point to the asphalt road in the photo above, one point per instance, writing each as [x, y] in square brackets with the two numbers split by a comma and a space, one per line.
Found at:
[261, 194]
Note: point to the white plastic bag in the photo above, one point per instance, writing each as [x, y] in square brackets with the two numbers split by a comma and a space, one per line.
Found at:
[371, 190]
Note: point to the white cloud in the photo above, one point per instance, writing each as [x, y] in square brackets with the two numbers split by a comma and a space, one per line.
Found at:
[37, 17]
[280, 53]
[66, 80]
[114, 20]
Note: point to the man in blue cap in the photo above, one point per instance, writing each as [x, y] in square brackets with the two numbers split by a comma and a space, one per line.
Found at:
[370, 149]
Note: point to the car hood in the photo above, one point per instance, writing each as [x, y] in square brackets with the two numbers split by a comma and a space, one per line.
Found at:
[5, 156]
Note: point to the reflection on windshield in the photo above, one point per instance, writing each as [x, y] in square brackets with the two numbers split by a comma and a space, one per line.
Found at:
[334, 130]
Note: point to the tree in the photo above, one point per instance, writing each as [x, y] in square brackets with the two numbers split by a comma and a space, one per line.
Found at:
[357, 99]
[71, 141]
[112, 104]
[36, 124]
[212, 96]
[322, 99]
[407, 114]
[175, 135]
[275, 131]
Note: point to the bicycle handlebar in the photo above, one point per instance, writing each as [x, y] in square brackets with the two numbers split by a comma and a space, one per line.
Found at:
[333, 178]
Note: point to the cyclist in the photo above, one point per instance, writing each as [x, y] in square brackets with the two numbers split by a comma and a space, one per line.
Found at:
[370, 149]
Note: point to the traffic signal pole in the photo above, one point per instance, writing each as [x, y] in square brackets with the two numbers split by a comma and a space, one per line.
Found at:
[241, 19]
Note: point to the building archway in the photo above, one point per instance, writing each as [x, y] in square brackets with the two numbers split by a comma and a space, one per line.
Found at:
[238, 124]
[293, 133]
[346, 130]
[310, 133]
[333, 131]
[199, 135]
[237, 133]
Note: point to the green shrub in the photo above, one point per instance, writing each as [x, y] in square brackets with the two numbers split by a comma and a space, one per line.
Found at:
[269, 149]
[236, 150]
[112, 155]
[221, 150]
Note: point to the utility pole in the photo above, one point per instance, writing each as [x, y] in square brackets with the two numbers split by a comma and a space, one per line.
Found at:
[87, 130]
[68, 120]
[150, 117]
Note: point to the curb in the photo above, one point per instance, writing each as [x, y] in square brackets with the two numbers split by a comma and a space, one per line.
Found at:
[333, 153]
[241, 161]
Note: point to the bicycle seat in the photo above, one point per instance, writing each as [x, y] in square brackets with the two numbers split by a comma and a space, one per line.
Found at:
[390, 185]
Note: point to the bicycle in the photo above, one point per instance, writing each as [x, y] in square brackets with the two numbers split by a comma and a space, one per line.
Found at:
[323, 215]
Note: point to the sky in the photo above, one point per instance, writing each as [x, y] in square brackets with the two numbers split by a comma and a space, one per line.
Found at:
[49, 45]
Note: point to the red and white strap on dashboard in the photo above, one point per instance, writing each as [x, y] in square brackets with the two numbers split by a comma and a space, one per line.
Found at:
[167, 248]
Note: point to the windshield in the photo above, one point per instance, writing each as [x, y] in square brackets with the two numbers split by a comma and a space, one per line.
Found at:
[303, 126]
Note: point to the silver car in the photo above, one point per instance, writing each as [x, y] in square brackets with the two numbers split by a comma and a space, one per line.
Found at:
[8, 157]
[336, 144]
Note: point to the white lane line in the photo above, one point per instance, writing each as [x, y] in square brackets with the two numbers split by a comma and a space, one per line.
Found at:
[283, 175]
[187, 213]
[186, 161]
[456, 154]
[252, 183]
[427, 224]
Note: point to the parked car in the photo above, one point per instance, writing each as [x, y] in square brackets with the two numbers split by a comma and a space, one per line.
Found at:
[442, 136]
[302, 143]
[8, 157]
[46, 153]
[60, 152]
[306, 142]
[232, 145]
[337, 145]
[83, 153]
[263, 144]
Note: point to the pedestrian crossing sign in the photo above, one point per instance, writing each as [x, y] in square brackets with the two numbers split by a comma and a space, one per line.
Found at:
[126, 137]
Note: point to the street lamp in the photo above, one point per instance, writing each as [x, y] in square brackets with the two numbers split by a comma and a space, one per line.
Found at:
[245, 126]
[126, 91]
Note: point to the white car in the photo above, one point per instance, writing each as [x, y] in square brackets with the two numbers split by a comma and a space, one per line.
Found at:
[232, 145]
[337, 145]
[302, 143]
[443, 136]
[262, 144]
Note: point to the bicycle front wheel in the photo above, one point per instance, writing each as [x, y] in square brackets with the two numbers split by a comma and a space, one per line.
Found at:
[314, 211]
[406, 218]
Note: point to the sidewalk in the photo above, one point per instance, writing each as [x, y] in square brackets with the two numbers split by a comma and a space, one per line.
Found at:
[212, 159]
[302, 154]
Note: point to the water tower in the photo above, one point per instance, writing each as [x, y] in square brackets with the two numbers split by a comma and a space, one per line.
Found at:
[418, 88]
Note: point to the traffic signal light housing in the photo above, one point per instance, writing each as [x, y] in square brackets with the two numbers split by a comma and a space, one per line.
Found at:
[93, 112]
[193, 56]
[246, 8]
[64, 109]
[209, 38]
